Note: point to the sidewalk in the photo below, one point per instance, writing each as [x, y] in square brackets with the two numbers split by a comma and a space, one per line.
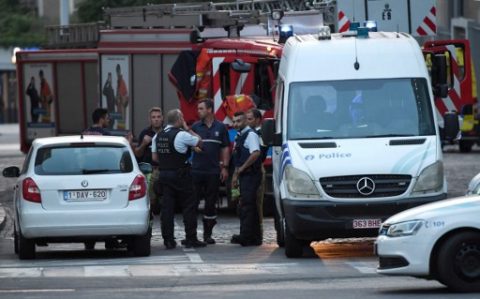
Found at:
[9, 140]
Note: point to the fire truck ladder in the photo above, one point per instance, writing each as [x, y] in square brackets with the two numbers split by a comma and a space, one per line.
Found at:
[209, 14]
[229, 15]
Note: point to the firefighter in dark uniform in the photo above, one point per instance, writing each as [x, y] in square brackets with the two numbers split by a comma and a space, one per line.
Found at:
[210, 166]
[171, 149]
[247, 174]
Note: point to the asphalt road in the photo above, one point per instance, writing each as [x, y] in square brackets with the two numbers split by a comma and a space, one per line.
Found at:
[341, 268]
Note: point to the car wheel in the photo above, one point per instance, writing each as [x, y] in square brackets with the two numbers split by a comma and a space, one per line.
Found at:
[26, 248]
[15, 239]
[279, 229]
[141, 244]
[458, 262]
[89, 245]
[293, 246]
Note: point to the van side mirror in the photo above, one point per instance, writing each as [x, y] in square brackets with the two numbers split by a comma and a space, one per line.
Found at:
[451, 125]
[241, 66]
[270, 138]
[439, 75]
[11, 172]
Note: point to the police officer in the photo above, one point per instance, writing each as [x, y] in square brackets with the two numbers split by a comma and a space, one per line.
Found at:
[210, 165]
[247, 174]
[143, 152]
[171, 149]
[254, 121]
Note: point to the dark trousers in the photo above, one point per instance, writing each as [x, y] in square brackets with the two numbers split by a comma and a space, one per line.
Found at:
[206, 187]
[249, 219]
[178, 187]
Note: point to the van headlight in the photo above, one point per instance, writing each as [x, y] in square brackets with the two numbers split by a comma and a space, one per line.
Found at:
[406, 228]
[299, 183]
[430, 179]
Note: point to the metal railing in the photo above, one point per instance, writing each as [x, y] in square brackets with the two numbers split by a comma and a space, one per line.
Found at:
[74, 35]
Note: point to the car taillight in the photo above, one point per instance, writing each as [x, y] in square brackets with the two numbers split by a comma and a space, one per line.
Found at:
[138, 188]
[31, 191]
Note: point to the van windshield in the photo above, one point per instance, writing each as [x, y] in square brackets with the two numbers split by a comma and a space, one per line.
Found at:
[359, 109]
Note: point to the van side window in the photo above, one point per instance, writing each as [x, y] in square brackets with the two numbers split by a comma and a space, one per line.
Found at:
[279, 104]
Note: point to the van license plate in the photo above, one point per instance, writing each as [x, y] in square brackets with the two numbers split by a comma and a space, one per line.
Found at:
[366, 223]
[85, 195]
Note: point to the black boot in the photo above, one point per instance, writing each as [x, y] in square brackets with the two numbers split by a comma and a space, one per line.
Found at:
[194, 243]
[208, 225]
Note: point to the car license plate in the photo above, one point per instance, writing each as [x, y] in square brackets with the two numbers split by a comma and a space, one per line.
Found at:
[366, 223]
[85, 195]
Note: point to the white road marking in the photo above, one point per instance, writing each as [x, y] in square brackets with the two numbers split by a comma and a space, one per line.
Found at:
[193, 269]
[364, 267]
[194, 257]
[37, 291]
[107, 271]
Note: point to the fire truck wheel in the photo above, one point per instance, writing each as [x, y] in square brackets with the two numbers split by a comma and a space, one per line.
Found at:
[465, 146]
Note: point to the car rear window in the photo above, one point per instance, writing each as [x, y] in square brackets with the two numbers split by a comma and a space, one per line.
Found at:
[84, 160]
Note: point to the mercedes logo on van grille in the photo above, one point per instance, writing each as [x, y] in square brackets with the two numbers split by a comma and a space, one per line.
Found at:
[85, 184]
[365, 186]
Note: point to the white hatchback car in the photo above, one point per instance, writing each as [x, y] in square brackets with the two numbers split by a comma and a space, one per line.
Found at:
[440, 240]
[81, 189]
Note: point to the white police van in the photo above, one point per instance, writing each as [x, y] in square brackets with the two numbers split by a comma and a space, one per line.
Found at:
[355, 138]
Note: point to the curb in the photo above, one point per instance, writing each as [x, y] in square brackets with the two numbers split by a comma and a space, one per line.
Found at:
[2, 217]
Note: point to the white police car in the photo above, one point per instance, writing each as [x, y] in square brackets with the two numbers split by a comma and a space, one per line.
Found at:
[439, 240]
[474, 185]
[80, 189]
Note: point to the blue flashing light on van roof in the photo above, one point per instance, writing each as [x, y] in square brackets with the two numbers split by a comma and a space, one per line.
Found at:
[285, 32]
[371, 25]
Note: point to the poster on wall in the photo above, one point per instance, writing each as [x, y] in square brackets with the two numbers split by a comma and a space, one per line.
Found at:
[40, 100]
[115, 87]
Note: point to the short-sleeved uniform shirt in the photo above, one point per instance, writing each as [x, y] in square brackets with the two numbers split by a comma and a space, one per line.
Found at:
[182, 141]
[214, 139]
[252, 143]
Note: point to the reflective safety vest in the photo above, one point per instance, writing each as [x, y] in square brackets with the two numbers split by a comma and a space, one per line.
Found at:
[204, 75]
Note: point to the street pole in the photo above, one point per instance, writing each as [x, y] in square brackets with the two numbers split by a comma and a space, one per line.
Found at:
[64, 12]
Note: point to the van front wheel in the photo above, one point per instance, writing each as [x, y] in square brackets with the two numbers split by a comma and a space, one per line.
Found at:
[279, 228]
[465, 146]
[293, 246]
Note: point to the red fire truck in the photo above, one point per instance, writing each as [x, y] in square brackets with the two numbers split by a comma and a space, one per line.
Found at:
[462, 94]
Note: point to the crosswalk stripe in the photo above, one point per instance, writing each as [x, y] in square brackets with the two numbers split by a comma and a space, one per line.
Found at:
[194, 268]
[107, 271]
[364, 267]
